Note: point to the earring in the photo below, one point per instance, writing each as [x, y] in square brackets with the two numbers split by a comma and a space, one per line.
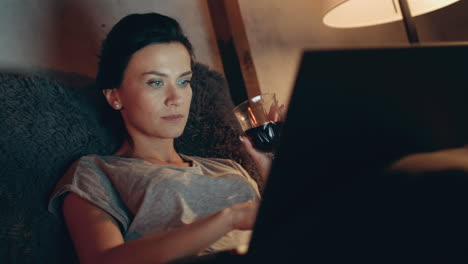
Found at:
[117, 106]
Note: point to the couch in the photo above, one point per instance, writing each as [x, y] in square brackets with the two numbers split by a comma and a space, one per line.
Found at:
[49, 120]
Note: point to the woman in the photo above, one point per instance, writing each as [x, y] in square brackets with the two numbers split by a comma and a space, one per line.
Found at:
[147, 203]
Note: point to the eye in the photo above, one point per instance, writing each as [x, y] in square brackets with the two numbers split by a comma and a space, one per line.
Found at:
[183, 83]
[156, 83]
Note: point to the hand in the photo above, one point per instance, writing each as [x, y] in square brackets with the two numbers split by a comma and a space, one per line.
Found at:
[261, 159]
[277, 113]
[244, 215]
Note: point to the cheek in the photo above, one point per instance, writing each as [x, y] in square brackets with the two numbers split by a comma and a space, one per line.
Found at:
[189, 98]
[142, 103]
[189, 94]
[153, 105]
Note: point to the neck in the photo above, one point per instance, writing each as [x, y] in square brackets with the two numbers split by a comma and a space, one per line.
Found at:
[158, 151]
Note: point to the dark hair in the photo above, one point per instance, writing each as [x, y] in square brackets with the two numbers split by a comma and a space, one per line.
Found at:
[131, 34]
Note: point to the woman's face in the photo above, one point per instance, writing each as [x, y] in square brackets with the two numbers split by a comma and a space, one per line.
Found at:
[155, 94]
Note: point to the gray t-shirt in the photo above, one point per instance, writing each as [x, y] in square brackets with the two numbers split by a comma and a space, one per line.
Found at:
[147, 198]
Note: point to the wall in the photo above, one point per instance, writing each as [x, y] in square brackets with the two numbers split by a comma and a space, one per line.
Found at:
[279, 30]
[65, 35]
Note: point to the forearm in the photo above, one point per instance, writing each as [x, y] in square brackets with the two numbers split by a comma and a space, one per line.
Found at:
[451, 159]
[174, 244]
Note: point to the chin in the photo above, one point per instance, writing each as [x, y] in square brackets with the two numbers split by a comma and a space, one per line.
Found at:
[178, 135]
[168, 132]
[173, 134]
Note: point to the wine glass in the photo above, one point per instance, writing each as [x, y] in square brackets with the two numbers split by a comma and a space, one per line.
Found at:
[260, 120]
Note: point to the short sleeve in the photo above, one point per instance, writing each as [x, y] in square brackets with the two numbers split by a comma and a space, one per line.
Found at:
[87, 180]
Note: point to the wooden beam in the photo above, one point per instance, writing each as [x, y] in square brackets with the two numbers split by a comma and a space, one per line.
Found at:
[234, 49]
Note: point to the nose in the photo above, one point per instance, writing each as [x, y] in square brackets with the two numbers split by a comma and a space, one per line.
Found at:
[173, 96]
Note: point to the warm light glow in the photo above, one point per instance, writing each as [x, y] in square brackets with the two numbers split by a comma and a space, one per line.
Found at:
[252, 116]
[361, 13]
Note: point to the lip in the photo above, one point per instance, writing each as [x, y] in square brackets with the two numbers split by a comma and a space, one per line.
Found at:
[173, 118]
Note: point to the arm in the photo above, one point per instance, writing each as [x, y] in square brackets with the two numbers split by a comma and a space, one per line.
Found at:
[97, 237]
[262, 161]
[447, 159]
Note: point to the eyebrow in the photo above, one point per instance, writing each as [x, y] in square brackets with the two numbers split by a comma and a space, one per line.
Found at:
[165, 75]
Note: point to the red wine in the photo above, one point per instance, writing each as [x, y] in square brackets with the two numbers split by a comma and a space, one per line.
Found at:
[266, 136]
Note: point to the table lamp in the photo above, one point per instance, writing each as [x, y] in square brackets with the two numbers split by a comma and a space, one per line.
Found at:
[361, 13]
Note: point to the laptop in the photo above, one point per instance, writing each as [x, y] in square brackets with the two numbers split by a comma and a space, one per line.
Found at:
[352, 113]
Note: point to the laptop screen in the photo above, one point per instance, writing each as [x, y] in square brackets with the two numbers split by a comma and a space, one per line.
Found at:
[352, 113]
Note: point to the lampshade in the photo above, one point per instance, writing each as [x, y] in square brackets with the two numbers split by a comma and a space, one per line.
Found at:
[361, 13]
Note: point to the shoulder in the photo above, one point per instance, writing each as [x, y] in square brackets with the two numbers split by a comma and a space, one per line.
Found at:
[84, 161]
[76, 165]
[88, 179]
[97, 164]
[91, 159]
[89, 171]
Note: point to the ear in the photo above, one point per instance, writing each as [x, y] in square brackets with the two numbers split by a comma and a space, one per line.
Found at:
[113, 98]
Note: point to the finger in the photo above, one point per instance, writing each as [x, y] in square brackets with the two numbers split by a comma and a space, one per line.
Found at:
[248, 145]
[257, 155]
[282, 112]
[272, 116]
[262, 161]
